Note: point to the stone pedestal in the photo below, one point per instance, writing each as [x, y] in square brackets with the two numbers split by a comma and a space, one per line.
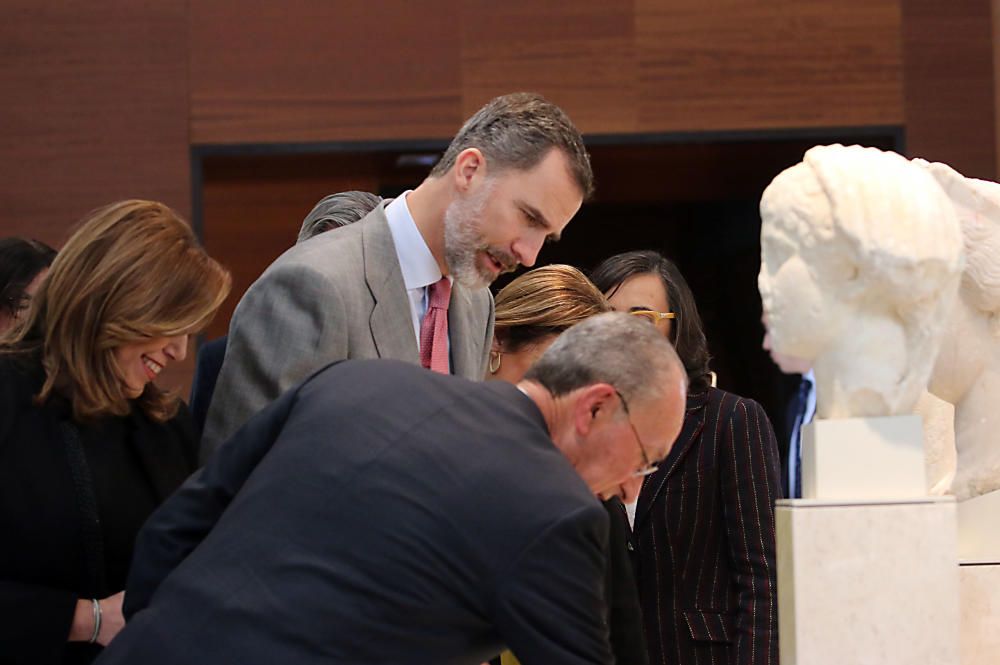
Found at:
[864, 458]
[979, 529]
[979, 590]
[979, 578]
[867, 583]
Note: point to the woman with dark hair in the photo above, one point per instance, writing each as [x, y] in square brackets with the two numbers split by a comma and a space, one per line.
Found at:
[531, 312]
[89, 446]
[23, 266]
[704, 522]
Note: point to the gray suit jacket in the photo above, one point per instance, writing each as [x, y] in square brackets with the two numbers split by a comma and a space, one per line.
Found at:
[340, 295]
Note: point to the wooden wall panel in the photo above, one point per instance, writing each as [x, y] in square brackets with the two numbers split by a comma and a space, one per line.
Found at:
[302, 70]
[996, 82]
[734, 64]
[581, 55]
[311, 71]
[950, 90]
[95, 109]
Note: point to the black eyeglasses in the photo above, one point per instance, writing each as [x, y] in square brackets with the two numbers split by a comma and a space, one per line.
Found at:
[648, 467]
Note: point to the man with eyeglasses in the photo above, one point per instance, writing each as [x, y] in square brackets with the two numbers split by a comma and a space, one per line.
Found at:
[379, 513]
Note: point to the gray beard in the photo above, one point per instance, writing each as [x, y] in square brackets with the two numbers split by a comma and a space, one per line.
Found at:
[462, 241]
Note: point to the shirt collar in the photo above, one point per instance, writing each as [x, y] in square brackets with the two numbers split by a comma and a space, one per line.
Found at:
[416, 262]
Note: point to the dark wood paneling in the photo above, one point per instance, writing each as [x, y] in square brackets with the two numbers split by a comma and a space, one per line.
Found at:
[580, 54]
[733, 64]
[94, 109]
[996, 83]
[301, 70]
[950, 90]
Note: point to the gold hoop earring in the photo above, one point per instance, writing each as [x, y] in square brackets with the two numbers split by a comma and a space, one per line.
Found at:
[494, 367]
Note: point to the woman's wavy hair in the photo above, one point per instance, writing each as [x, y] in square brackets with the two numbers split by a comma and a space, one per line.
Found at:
[545, 301]
[686, 332]
[132, 271]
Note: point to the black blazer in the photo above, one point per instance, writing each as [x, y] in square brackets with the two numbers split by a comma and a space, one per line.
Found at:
[377, 513]
[704, 530]
[54, 552]
[206, 373]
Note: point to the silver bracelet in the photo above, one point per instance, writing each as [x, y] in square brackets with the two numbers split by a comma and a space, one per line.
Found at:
[97, 620]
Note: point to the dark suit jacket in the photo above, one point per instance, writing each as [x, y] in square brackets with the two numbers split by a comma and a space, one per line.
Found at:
[704, 529]
[624, 615]
[54, 550]
[206, 373]
[377, 513]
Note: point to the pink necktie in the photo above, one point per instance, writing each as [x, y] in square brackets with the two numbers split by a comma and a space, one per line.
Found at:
[434, 328]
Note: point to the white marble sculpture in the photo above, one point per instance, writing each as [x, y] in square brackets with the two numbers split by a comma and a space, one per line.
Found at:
[861, 259]
[967, 371]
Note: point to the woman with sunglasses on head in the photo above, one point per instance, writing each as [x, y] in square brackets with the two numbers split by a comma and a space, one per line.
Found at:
[531, 311]
[704, 522]
[89, 446]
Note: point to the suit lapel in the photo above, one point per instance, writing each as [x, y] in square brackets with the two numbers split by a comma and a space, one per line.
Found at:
[467, 333]
[390, 321]
[694, 423]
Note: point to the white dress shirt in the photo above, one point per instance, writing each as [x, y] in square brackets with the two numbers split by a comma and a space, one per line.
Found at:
[416, 262]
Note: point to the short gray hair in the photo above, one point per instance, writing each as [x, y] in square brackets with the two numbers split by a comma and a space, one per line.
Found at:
[337, 210]
[614, 348]
[517, 131]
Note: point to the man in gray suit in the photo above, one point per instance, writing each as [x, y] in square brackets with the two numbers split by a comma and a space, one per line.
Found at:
[512, 178]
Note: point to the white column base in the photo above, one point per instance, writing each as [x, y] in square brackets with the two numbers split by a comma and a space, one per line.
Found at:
[979, 529]
[980, 594]
[864, 583]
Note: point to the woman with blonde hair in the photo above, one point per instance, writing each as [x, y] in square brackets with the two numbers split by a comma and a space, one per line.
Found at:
[531, 312]
[89, 445]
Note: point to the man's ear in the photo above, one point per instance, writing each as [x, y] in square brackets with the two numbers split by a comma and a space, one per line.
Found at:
[591, 403]
[469, 165]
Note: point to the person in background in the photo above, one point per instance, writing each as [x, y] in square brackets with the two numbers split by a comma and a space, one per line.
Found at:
[704, 522]
[332, 212]
[89, 445]
[531, 312]
[799, 412]
[23, 266]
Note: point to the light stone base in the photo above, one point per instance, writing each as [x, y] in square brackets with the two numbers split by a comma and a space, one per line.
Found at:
[863, 458]
[980, 595]
[867, 583]
[979, 529]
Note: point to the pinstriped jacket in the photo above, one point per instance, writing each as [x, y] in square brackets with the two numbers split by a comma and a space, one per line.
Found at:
[704, 538]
